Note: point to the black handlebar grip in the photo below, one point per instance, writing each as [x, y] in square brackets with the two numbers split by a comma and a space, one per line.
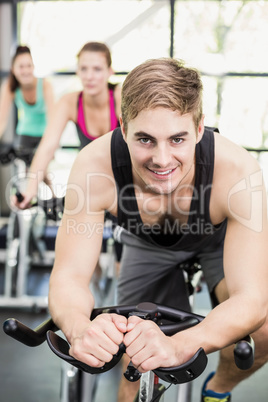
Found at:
[186, 372]
[61, 348]
[24, 334]
[7, 154]
[244, 353]
[19, 196]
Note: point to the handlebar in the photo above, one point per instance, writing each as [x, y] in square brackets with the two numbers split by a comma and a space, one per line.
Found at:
[169, 320]
[244, 353]
[8, 153]
[20, 332]
[52, 207]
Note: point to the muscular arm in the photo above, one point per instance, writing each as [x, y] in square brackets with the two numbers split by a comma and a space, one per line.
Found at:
[239, 195]
[90, 192]
[70, 300]
[6, 99]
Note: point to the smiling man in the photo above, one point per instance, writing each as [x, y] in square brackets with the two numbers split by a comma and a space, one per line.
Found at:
[178, 189]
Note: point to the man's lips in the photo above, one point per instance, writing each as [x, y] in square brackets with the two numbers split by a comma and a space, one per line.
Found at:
[162, 173]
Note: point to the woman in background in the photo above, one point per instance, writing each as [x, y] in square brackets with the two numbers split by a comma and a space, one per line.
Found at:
[33, 98]
[95, 111]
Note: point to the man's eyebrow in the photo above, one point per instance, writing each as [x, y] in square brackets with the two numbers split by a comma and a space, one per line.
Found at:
[143, 134]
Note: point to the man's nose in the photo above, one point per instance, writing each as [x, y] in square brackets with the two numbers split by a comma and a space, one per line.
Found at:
[162, 156]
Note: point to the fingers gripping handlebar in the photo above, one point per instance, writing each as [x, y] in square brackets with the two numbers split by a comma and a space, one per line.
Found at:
[179, 320]
[52, 207]
[61, 348]
[169, 320]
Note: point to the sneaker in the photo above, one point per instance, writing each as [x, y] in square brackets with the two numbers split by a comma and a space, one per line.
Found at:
[211, 396]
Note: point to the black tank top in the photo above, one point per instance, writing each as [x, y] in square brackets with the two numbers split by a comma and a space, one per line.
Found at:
[199, 231]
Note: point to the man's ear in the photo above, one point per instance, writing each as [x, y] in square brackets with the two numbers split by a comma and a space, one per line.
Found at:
[122, 128]
[201, 129]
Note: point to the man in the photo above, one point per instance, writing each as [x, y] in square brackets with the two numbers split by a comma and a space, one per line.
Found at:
[178, 190]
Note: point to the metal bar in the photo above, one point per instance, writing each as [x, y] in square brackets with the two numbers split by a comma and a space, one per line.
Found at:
[24, 302]
[146, 387]
[172, 27]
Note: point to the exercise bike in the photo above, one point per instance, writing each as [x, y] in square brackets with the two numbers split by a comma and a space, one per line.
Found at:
[169, 320]
[25, 242]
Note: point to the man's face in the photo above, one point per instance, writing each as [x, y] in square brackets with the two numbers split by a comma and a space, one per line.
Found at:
[162, 144]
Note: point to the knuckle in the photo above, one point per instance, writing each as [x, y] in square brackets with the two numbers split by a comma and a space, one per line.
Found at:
[94, 362]
[128, 352]
[104, 316]
[163, 358]
[114, 349]
[135, 361]
[109, 358]
[91, 331]
[151, 332]
[144, 367]
[101, 364]
[75, 351]
[119, 338]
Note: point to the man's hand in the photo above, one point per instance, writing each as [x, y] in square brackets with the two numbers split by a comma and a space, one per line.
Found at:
[148, 347]
[99, 340]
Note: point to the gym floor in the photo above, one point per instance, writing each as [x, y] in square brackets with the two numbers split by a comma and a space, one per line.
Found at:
[34, 374]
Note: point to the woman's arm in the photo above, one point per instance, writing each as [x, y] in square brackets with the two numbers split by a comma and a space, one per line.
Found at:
[6, 99]
[48, 145]
[49, 99]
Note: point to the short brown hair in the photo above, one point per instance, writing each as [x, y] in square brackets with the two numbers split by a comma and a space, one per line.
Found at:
[163, 82]
[97, 47]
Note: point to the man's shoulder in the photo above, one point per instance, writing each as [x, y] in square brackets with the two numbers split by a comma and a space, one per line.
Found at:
[97, 154]
[233, 170]
[92, 172]
[233, 157]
